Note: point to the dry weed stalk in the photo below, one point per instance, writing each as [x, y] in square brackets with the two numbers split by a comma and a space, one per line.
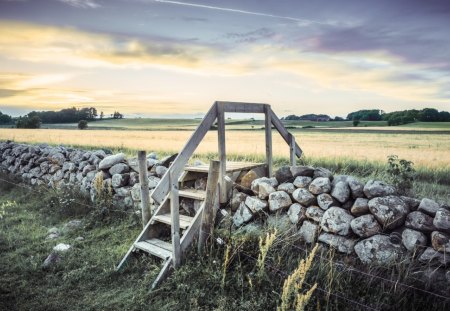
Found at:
[264, 246]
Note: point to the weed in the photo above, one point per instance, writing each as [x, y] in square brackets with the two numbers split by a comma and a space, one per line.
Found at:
[264, 246]
[401, 173]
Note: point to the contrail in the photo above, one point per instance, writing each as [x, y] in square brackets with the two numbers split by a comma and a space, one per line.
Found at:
[203, 6]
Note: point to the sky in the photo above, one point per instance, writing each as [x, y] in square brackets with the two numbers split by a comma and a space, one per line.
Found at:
[175, 58]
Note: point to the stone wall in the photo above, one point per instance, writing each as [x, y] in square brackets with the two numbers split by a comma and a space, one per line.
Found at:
[61, 166]
[366, 219]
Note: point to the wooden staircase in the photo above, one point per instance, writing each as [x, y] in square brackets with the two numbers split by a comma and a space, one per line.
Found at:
[171, 229]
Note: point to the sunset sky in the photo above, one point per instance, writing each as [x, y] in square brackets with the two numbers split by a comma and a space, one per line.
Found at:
[155, 58]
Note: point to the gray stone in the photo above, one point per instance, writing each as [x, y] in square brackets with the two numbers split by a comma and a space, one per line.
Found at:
[119, 168]
[419, 221]
[432, 257]
[302, 171]
[323, 172]
[152, 155]
[314, 213]
[161, 170]
[118, 180]
[412, 203]
[340, 243]
[440, 242]
[53, 259]
[255, 204]
[53, 230]
[341, 191]
[325, 201]
[200, 184]
[58, 158]
[360, 207]
[242, 215]
[442, 219]
[283, 174]
[237, 199]
[279, 200]
[72, 225]
[265, 190]
[304, 197]
[153, 181]
[111, 160]
[379, 249]
[336, 220]
[365, 226]
[263, 180]
[320, 185]
[356, 187]
[287, 187]
[302, 181]
[88, 168]
[428, 206]
[136, 192]
[412, 239]
[390, 211]
[167, 160]
[308, 232]
[62, 247]
[376, 188]
[123, 191]
[339, 178]
[134, 179]
[296, 213]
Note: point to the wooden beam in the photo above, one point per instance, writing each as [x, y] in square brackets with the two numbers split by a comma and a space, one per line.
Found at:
[208, 215]
[292, 149]
[222, 152]
[268, 131]
[241, 107]
[145, 192]
[162, 189]
[175, 212]
[284, 133]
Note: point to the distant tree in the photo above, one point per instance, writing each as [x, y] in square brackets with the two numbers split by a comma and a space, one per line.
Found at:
[101, 115]
[117, 115]
[338, 119]
[429, 115]
[5, 119]
[356, 122]
[82, 124]
[33, 122]
[365, 115]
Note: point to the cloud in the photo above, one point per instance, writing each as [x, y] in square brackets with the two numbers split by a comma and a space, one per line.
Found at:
[83, 4]
[251, 36]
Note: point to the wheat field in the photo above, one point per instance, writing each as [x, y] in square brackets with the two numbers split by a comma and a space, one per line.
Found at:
[425, 150]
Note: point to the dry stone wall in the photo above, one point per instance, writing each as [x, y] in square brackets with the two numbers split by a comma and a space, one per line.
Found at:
[366, 219]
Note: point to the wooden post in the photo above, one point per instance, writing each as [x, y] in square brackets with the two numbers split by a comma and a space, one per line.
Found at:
[292, 149]
[209, 213]
[174, 211]
[145, 192]
[268, 131]
[222, 153]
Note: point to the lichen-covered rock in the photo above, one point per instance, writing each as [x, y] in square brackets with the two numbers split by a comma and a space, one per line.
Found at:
[111, 160]
[365, 226]
[341, 191]
[302, 171]
[380, 250]
[412, 203]
[308, 232]
[242, 215]
[320, 185]
[279, 200]
[428, 206]
[314, 213]
[340, 243]
[119, 180]
[237, 199]
[286, 187]
[413, 239]
[360, 207]
[255, 184]
[336, 220]
[136, 192]
[323, 172]
[296, 213]
[283, 174]
[248, 178]
[440, 242]
[442, 219]
[160, 170]
[325, 201]
[356, 187]
[377, 188]
[265, 189]
[390, 211]
[302, 181]
[304, 197]
[419, 221]
[153, 181]
[432, 257]
[255, 204]
[123, 191]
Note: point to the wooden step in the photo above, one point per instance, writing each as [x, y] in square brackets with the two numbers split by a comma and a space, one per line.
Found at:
[192, 194]
[230, 167]
[185, 221]
[155, 247]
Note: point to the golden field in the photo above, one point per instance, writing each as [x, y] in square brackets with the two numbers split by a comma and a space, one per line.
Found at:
[425, 150]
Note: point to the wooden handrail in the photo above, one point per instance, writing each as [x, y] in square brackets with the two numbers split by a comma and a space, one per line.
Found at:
[284, 133]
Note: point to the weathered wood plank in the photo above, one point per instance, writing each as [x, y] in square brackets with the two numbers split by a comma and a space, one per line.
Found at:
[222, 152]
[284, 133]
[164, 273]
[175, 212]
[230, 167]
[192, 194]
[268, 132]
[292, 149]
[155, 247]
[178, 164]
[185, 221]
[241, 107]
[192, 231]
[145, 194]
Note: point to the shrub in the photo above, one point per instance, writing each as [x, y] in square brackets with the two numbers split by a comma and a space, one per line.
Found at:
[82, 124]
[356, 122]
[401, 173]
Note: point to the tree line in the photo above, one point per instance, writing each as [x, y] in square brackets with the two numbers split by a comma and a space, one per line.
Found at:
[401, 117]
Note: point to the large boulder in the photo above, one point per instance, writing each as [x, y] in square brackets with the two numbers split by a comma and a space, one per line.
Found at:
[323, 172]
[390, 211]
[360, 207]
[419, 221]
[440, 242]
[304, 197]
[242, 215]
[314, 213]
[119, 168]
[111, 160]
[302, 181]
[255, 204]
[283, 174]
[365, 226]
[341, 191]
[279, 200]
[264, 190]
[302, 171]
[376, 188]
[356, 187]
[286, 187]
[119, 180]
[320, 185]
[412, 203]
[340, 243]
[428, 206]
[412, 239]
[325, 201]
[442, 219]
[296, 213]
[379, 249]
[263, 180]
[336, 220]
[308, 232]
